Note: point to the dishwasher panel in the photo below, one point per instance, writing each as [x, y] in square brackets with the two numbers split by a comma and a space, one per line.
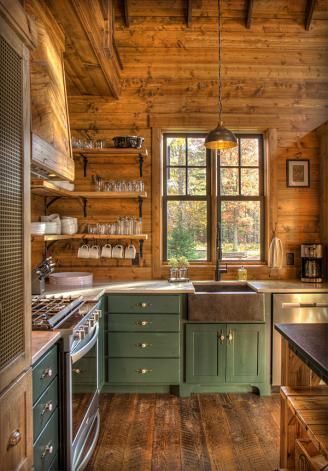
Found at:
[307, 308]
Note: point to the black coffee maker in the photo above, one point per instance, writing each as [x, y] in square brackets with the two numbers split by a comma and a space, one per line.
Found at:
[312, 263]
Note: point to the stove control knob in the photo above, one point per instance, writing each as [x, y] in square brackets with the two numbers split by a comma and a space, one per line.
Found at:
[79, 335]
[98, 314]
[85, 328]
[91, 322]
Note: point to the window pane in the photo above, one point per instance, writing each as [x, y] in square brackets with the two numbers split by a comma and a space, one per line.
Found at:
[187, 229]
[196, 151]
[176, 151]
[250, 181]
[249, 149]
[229, 157]
[176, 181]
[241, 229]
[196, 181]
[229, 181]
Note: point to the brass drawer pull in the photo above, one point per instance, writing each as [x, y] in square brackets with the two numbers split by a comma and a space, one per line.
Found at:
[48, 450]
[143, 371]
[143, 305]
[15, 438]
[221, 336]
[144, 345]
[48, 407]
[230, 337]
[143, 323]
[47, 373]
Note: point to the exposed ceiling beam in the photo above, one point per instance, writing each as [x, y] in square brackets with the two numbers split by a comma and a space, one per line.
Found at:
[309, 9]
[249, 13]
[188, 12]
[126, 16]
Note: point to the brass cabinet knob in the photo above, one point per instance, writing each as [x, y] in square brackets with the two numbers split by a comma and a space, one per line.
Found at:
[143, 345]
[47, 373]
[143, 371]
[48, 450]
[76, 371]
[221, 336]
[143, 323]
[48, 407]
[230, 337]
[144, 305]
[15, 438]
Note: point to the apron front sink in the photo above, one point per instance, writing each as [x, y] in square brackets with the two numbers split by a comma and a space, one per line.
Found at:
[225, 302]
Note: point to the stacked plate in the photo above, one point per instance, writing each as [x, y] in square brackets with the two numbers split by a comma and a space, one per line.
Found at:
[38, 228]
[69, 225]
[71, 279]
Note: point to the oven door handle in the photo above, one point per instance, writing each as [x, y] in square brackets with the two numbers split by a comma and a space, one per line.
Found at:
[79, 353]
[80, 466]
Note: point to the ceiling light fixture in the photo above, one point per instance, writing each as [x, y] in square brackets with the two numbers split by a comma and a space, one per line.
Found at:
[220, 138]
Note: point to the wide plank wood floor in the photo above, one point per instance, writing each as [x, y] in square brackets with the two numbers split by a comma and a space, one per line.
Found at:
[155, 432]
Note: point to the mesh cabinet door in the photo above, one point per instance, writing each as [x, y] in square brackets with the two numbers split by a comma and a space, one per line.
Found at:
[14, 208]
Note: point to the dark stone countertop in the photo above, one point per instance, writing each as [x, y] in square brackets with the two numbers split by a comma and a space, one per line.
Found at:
[310, 343]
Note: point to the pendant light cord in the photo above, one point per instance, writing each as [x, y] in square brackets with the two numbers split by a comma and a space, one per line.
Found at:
[220, 62]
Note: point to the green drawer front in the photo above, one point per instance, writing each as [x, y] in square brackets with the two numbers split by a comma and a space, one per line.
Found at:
[143, 370]
[55, 464]
[44, 372]
[143, 345]
[48, 438]
[143, 322]
[44, 408]
[144, 303]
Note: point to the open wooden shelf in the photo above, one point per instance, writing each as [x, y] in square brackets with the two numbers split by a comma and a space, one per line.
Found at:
[47, 188]
[53, 237]
[109, 151]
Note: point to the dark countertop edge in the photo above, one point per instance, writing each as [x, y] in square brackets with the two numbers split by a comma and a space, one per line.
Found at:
[316, 366]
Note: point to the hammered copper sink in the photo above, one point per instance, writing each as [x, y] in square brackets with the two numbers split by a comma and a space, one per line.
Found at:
[225, 302]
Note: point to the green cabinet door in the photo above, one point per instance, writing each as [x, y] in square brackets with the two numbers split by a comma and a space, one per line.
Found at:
[205, 353]
[245, 353]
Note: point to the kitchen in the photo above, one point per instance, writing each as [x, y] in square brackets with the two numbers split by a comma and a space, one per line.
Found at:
[164, 293]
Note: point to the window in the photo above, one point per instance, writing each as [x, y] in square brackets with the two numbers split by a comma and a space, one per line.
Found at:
[239, 198]
[186, 199]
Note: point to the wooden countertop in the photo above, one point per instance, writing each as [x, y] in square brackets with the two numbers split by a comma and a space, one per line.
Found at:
[310, 344]
[42, 341]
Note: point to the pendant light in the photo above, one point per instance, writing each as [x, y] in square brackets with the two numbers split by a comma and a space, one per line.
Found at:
[220, 138]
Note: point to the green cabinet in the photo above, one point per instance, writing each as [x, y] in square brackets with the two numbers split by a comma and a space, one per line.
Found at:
[224, 353]
[143, 340]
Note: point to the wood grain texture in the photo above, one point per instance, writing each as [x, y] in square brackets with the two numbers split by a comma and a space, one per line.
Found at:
[274, 77]
[222, 432]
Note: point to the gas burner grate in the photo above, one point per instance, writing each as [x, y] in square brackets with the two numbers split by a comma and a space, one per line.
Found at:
[48, 312]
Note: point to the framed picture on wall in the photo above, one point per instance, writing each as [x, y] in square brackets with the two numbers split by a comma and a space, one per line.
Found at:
[298, 173]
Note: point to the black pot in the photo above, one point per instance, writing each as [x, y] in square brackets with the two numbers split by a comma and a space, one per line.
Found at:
[134, 142]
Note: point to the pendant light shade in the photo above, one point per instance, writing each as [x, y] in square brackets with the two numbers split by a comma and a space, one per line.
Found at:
[220, 138]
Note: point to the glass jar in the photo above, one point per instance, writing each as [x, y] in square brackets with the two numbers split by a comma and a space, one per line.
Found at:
[242, 274]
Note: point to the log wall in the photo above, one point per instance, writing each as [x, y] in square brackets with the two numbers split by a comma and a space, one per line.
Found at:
[275, 78]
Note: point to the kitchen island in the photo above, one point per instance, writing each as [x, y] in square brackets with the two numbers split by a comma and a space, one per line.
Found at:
[304, 396]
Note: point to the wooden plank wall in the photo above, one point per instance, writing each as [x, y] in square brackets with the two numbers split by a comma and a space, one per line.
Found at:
[275, 76]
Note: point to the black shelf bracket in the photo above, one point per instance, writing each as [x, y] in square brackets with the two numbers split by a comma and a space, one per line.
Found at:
[85, 164]
[141, 160]
[50, 201]
[141, 242]
[140, 201]
[47, 246]
[84, 204]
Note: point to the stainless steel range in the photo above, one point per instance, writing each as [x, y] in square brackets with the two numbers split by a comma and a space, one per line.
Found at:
[78, 321]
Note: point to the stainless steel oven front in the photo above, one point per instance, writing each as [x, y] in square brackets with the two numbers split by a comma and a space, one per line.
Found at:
[82, 393]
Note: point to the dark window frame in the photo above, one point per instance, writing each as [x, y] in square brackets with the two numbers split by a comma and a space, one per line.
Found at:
[260, 197]
[219, 198]
[186, 197]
